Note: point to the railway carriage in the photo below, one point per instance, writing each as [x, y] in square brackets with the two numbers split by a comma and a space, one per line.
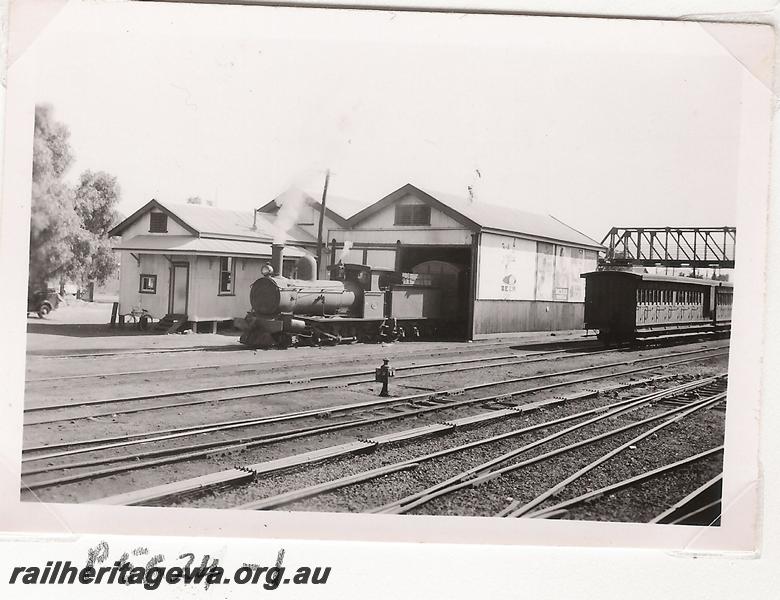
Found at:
[625, 306]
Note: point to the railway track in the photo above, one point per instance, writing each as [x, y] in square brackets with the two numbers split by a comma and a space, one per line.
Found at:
[283, 386]
[400, 409]
[234, 347]
[437, 400]
[697, 508]
[682, 511]
[243, 476]
[404, 351]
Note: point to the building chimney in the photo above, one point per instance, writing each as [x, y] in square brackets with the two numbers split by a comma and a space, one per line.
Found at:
[277, 257]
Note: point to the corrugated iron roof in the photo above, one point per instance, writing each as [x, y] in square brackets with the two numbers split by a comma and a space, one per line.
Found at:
[220, 221]
[185, 244]
[512, 220]
[479, 216]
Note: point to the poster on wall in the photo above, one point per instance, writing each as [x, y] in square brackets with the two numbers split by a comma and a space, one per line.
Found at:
[507, 267]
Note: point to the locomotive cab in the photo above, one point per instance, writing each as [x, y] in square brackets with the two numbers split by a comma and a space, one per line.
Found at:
[359, 274]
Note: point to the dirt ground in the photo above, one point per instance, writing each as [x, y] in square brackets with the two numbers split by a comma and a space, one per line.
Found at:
[121, 364]
[83, 327]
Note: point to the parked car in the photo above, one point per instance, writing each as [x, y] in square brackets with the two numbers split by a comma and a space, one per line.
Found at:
[42, 302]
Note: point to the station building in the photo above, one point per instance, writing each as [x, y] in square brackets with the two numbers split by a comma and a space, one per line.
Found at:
[505, 270]
[196, 263]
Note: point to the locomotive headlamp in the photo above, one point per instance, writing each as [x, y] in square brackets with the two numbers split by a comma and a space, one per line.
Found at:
[266, 270]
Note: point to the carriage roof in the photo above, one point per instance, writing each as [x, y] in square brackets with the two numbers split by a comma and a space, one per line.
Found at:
[671, 279]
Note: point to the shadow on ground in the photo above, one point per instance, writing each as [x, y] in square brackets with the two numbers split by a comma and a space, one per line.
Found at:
[568, 346]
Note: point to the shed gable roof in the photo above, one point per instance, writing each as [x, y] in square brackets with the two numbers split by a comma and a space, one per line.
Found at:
[207, 221]
[479, 216]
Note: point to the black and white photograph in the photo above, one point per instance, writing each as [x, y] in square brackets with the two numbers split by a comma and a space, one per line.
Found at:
[449, 272]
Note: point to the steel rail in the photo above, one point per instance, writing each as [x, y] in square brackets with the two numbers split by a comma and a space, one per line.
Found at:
[342, 482]
[371, 380]
[233, 477]
[474, 471]
[681, 519]
[183, 454]
[133, 439]
[561, 507]
[514, 510]
[522, 359]
[232, 347]
[516, 359]
[456, 483]
[328, 486]
[295, 362]
[224, 348]
[660, 519]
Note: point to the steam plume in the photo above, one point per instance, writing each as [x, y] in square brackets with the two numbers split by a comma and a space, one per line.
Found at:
[344, 252]
[291, 202]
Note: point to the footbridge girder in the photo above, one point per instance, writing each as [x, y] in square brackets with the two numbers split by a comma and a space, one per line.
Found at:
[695, 247]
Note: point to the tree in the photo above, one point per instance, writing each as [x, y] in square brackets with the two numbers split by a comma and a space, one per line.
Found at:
[94, 202]
[52, 218]
[68, 227]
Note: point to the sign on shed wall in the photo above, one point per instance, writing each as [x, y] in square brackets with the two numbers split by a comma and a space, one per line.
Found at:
[517, 269]
[507, 268]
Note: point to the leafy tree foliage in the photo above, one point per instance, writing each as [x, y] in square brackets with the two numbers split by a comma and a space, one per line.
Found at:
[68, 226]
[51, 151]
[52, 219]
[95, 199]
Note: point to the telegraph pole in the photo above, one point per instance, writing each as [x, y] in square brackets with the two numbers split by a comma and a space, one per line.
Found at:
[319, 228]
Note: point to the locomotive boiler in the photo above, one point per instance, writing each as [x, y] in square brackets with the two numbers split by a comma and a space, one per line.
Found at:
[357, 303]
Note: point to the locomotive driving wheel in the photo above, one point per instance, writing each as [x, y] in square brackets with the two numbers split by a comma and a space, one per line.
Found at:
[283, 340]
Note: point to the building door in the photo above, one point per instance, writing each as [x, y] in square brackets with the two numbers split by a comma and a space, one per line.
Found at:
[180, 279]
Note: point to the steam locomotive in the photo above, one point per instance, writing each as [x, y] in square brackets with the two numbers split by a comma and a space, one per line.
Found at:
[357, 303]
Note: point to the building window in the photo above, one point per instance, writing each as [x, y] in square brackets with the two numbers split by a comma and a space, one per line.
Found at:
[148, 284]
[413, 214]
[158, 222]
[227, 276]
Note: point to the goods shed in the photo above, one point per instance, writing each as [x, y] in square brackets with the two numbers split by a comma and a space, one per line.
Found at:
[503, 270]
